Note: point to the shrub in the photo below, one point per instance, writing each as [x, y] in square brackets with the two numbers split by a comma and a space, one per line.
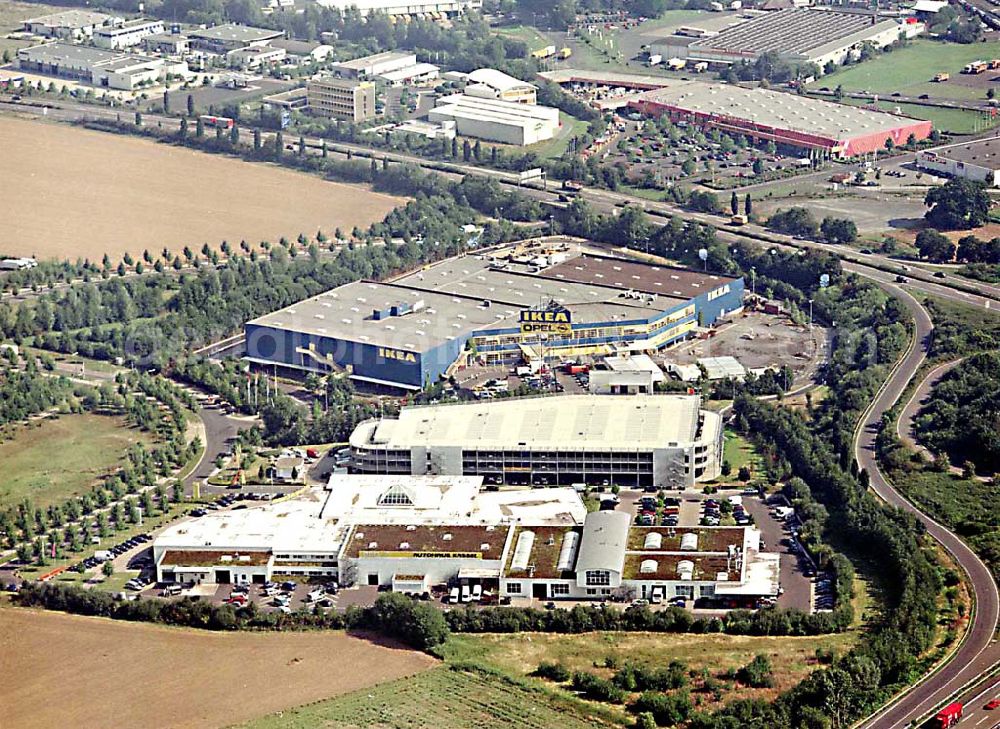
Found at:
[552, 671]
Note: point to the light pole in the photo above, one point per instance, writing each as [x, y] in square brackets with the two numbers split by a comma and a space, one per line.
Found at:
[810, 314]
[753, 280]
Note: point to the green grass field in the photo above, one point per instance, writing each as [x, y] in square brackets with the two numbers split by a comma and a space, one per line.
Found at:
[443, 698]
[739, 452]
[52, 460]
[909, 70]
[553, 148]
[533, 37]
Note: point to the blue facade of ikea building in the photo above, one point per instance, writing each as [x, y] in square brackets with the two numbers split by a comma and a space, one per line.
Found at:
[407, 334]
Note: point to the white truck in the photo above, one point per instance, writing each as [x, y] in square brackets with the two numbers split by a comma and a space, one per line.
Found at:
[655, 59]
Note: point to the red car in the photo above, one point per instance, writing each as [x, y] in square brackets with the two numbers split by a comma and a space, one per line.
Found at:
[994, 704]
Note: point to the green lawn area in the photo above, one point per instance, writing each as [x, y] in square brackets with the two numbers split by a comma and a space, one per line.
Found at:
[957, 121]
[739, 452]
[533, 37]
[555, 147]
[52, 460]
[909, 70]
[443, 698]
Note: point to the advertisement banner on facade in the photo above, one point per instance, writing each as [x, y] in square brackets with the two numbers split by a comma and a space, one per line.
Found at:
[557, 321]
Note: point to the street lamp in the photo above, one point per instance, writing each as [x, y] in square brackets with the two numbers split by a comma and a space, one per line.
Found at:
[810, 314]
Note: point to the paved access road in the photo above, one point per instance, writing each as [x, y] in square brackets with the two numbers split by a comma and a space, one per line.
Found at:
[979, 652]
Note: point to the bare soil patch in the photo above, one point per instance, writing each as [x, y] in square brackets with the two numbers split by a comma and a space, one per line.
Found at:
[81, 193]
[70, 671]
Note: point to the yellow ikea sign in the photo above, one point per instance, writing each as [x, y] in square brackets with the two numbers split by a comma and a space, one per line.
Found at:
[546, 321]
[397, 354]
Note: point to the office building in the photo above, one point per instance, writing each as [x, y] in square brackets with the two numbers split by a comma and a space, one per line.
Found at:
[127, 35]
[341, 98]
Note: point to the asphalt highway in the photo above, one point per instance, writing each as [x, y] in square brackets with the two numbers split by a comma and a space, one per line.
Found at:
[979, 652]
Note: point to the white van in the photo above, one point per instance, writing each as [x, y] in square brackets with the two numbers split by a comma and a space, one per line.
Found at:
[314, 595]
[466, 595]
[477, 592]
[453, 595]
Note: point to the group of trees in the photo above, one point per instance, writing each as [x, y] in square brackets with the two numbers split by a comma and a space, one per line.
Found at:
[414, 623]
[939, 248]
[961, 418]
[958, 204]
[800, 222]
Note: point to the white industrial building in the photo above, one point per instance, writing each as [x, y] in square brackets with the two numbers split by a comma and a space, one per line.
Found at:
[795, 35]
[96, 66]
[490, 83]
[413, 534]
[255, 57]
[310, 534]
[73, 25]
[426, 8]
[975, 160]
[610, 558]
[418, 73]
[722, 368]
[131, 33]
[666, 441]
[508, 122]
[221, 39]
[375, 65]
[628, 374]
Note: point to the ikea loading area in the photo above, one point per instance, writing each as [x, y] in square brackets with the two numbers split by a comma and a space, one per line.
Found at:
[499, 307]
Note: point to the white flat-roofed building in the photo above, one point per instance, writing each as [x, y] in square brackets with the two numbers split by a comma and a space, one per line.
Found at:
[375, 65]
[494, 84]
[131, 33]
[308, 535]
[96, 66]
[221, 39]
[255, 57]
[75, 25]
[609, 558]
[249, 545]
[493, 120]
[418, 73]
[978, 159]
[171, 44]
[628, 374]
[306, 50]
[645, 440]
[723, 368]
[429, 8]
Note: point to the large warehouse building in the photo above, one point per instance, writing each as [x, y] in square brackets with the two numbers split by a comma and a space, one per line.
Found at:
[795, 35]
[508, 122]
[975, 160]
[666, 441]
[522, 302]
[103, 68]
[801, 122]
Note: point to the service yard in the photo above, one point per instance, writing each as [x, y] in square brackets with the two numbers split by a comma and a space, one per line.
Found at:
[137, 194]
[71, 671]
[758, 340]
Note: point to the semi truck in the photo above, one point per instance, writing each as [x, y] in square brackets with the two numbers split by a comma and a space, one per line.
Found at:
[217, 121]
[949, 716]
[565, 53]
[546, 52]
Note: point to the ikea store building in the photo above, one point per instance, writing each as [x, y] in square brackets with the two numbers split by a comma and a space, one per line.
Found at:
[502, 306]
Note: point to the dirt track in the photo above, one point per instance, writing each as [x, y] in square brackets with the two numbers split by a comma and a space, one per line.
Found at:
[71, 192]
[71, 671]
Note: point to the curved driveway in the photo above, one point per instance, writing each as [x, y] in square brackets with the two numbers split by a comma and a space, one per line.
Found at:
[978, 653]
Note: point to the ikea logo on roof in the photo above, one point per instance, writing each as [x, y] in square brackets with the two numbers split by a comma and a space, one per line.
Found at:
[547, 316]
[397, 354]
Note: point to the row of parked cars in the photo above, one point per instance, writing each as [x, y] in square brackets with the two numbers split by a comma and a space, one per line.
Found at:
[648, 510]
[107, 554]
[823, 594]
[465, 594]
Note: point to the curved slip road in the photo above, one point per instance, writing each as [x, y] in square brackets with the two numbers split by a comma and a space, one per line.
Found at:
[978, 653]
